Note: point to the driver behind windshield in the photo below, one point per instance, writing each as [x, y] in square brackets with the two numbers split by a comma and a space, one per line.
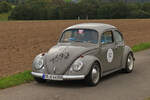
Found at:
[80, 35]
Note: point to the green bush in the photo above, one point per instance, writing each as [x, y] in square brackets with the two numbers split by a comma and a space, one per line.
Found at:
[4, 7]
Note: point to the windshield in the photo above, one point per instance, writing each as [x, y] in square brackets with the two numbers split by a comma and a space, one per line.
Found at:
[80, 35]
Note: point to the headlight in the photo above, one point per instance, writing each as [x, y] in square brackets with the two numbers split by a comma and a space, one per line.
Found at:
[38, 63]
[77, 65]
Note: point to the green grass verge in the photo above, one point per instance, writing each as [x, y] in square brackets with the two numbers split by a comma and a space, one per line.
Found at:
[4, 16]
[26, 76]
[67, 0]
[147, 99]
[141, 46]
[16, 79]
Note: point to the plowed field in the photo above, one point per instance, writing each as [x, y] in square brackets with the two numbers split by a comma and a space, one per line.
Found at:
[21, 41]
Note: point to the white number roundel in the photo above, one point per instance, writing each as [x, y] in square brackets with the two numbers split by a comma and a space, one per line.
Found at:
[110, 55]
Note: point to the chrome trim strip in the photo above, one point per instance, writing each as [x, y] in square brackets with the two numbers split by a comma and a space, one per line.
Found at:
[37, 74]
[73, 77]
[65, 77]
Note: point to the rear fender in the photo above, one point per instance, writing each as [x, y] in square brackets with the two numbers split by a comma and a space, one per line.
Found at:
[127, 50]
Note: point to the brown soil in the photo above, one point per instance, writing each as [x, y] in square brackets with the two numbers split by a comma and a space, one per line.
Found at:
[21, 41]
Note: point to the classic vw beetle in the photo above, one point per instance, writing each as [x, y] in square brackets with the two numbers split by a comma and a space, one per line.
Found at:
[86, 51]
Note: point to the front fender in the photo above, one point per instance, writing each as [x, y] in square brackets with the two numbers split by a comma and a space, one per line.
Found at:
[33, 64]
[87, 60]
[127, 50]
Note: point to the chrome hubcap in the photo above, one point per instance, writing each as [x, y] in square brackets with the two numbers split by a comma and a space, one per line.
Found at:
[95, 74]
[130, 62]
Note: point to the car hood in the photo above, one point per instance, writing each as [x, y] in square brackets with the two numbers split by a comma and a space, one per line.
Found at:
[60, 57]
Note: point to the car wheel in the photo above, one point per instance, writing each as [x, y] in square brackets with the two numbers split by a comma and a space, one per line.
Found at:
[129, 63]
[94, 75]
[39, 80]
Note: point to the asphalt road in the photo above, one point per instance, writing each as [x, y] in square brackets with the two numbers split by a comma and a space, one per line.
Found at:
[117, 86]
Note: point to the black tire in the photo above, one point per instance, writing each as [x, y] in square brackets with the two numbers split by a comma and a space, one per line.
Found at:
[39, 80]
[89, 78]
[129, 67]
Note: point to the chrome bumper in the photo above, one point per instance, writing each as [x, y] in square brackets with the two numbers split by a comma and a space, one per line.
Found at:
[65, 77]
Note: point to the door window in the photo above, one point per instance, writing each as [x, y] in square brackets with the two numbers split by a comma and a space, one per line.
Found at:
[118, 36]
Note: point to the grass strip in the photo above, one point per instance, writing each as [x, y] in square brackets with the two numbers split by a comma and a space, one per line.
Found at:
[147, 99]
[16, 79]
[4, 16]
[141, 47]
[26, 76]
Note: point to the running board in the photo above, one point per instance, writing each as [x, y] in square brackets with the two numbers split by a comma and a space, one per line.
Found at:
[112, 71]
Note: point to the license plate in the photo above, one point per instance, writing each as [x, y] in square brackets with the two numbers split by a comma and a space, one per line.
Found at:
[52, 77]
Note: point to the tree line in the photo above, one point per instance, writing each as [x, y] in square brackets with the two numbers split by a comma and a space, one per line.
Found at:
[14, 1]
[91, 9]
[5, 7]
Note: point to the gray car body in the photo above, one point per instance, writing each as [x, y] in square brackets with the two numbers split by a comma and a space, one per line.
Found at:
[59, 59]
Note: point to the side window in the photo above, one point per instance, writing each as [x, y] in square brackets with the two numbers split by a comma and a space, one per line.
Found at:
[107, 37]
[118, 37]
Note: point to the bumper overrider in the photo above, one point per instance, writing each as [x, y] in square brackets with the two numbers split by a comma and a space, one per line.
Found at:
[58, 77]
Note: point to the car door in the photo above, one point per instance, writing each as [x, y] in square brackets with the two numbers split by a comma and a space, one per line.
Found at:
[119, 46]
[107, 51]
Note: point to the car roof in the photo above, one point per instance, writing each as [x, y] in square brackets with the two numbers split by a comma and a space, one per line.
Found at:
[100, 27]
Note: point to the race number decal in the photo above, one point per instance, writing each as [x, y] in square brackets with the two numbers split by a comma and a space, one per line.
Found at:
[110, 55]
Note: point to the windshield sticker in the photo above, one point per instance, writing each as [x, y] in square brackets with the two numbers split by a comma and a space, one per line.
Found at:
[110, 55]
[80, 31]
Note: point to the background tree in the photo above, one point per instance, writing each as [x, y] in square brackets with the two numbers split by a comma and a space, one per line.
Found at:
[4, 7]
[146, 7]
